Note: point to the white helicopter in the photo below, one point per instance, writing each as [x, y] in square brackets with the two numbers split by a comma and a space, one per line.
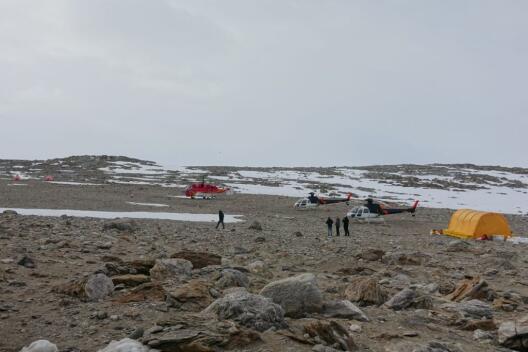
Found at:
[313, 201]
[374, 212]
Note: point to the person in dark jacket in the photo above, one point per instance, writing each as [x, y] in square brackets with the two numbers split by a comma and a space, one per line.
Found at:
[329, 223]
[220, 219]
[345, 225]
[337, 225]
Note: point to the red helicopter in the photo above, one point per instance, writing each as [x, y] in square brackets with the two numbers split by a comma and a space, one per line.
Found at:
[204, 190]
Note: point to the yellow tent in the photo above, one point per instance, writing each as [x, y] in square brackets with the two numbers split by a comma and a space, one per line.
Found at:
[466, 223]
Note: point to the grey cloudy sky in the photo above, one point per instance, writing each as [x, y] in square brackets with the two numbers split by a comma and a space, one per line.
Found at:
[278, 82]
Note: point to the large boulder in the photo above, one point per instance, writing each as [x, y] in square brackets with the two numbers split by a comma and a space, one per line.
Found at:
[173, 269]
[297, 295]
[366, 291]
[513, 334]
[250, 310]
[40, 346]
[125, 345]
[199, 259]
[232, 278]
[343, 309]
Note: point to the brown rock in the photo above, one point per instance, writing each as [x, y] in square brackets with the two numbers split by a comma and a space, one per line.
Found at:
[331, 332]
[365, 291]
[371, 254]
[144, 292]
[130, 280]
[505, 304]
[90, 288]
[141, 266]
[199, 259]
[486, 325]
[475, 288]
[195, 291]
[416, 258]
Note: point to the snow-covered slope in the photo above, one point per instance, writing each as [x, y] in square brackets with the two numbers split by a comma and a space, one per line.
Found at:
[493, 188]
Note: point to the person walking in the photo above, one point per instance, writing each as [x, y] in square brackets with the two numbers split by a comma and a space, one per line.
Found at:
[329, 223]
[220, 219]
[345, 225]
[337, 225]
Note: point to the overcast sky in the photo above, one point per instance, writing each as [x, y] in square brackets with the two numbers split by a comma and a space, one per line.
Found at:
[269, 82]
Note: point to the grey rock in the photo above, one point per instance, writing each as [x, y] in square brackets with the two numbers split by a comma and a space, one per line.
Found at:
[125, 345]
[371, 254]
[323, 348]
[436, 346]
[457, 246]
[255, 226]
[409, 298]
[343, 309]
[433, 346]
[400, 281]
[470, 309]
[250, 310]
[401, 258]
[40, 346]
[260, 239]
[171, 269]
[402, 300]
[482, 335]
[513, 334]
[127, 225]
[97, 287]
[232, 278]
[136, 334]
[297, 295]
[27, 262]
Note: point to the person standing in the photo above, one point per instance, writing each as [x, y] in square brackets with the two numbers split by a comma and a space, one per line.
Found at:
[337, 225]
[220, 219]
[345, 225]
[329, 223]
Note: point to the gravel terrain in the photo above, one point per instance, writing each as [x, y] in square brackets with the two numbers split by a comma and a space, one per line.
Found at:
[186, 286]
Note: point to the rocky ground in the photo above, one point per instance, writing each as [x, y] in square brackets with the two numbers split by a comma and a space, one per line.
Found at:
[279, 285]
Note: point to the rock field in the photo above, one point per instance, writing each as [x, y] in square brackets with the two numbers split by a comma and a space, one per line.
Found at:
[87, 284]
